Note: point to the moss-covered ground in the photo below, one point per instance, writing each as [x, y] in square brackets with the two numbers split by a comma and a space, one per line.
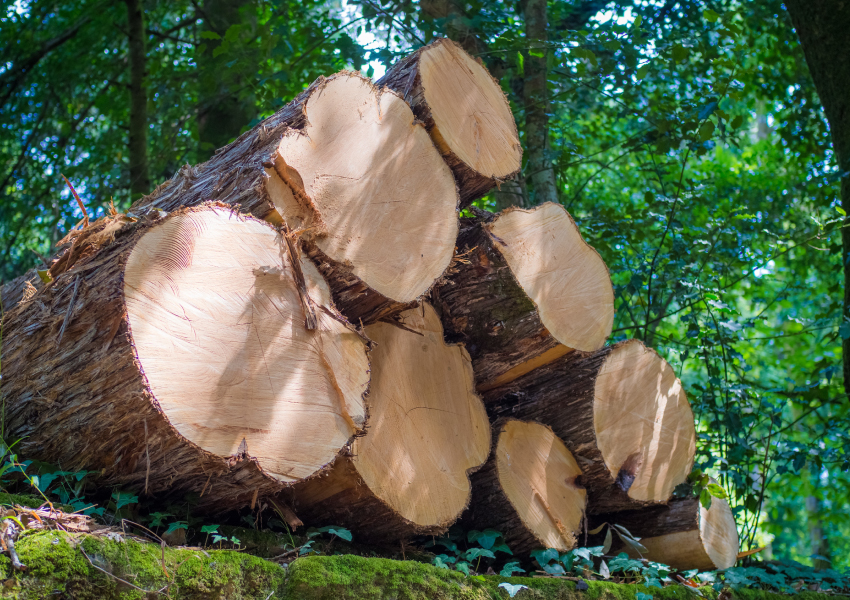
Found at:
[95, 567]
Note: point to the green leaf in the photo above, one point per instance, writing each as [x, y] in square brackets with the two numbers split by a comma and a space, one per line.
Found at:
[485, 538]
[210, 35]
[609, 539]
[544, 556]
[554, 569]
[841, 211]
[638, 20]
[679, 52]
[45, 275]
[642, 596]
[474, 553]
[598, 529]
[341, 533]
[705, 499]
[642, 71]
[737, 122]
[510, 568]
[710, 15]
[706, 130]
[172, 527]
[520, 64]
[463, 567]
[209, 529]
[716, 491]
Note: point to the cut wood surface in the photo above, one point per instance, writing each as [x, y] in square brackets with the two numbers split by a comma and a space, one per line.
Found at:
[527, 290]
[427, 432]
[682, 534]
[372, 196]
[347, 166]
[175, 356]
[623, 414]
[464, 110]
[528, 490]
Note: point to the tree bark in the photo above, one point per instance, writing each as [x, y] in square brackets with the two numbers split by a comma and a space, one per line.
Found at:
[223, 112]
[822, 28]
[539, 170]
[606, 406]
[525, 290]
[134, 362]
[466, 113]
[138, 147]
[681, 534]
[528, 489]
[428, 430]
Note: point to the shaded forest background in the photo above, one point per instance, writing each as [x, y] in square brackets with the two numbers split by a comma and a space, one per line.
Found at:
[691, 142]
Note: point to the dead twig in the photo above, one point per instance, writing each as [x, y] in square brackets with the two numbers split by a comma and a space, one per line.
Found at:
[69, 311]
[79, 202]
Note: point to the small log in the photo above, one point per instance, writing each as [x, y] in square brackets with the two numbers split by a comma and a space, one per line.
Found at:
[466, 113]
[525, 290]
[528, 490]
[428, 431]
[174, 355]
[623, 414]
[347, 167]
[682, 534]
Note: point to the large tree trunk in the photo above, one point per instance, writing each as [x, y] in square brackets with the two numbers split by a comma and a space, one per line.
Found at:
[682, 534]
[409, 474]
[347, 168]
[529, 489]
[538, 169]
[173, 355]
[822, 28]
[466, 113]
[623, 414]
[525, 290]
[223, 111]
[138, 148]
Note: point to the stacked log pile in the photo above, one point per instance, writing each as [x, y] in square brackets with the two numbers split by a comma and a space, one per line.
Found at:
[304, 321]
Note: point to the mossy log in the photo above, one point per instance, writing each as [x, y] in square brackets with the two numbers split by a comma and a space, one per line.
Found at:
[465, 111]
[355, 178]
[528, 489]
[683, 533]
[428, 431]
[623, 414]
[525, 290]
[176, 355]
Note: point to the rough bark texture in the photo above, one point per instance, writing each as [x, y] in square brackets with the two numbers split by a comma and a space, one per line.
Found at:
[237, 176]
[536, 96]
[75, 393]
[405, 79]
[560, 395]
[138, 148]
[822, 28]
[338, 496]
[490, 509]
[482, 305]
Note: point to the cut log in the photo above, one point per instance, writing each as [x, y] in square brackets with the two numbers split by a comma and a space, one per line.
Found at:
[427, 432]
[175, 356]
[528, 490]
[466, 113]
[376, 204]
[682, 534]
[526, 290]
[623, 414]
[346, 165]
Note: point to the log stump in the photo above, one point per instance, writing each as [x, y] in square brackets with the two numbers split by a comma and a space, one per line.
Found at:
[529, 490]
[428, 431]
[174, 356]
[623, 414]
[525, 291]
[683, 534]
[466, 113]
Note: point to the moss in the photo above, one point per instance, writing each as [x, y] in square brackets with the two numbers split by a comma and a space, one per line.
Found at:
[29, 501]
[353, 577]
[66, 565]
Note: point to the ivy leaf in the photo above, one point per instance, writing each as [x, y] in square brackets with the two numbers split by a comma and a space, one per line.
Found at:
[485, 538]
[474, 553]
[463, 567]
[510, 568]
[544, 556]
[172, 527]
[209, 529]
[554, 569]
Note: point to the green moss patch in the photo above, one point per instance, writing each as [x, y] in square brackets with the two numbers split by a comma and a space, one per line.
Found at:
[353, 577]
[89, 567]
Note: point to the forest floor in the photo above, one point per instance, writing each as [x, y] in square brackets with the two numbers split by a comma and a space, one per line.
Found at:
[90, 561]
